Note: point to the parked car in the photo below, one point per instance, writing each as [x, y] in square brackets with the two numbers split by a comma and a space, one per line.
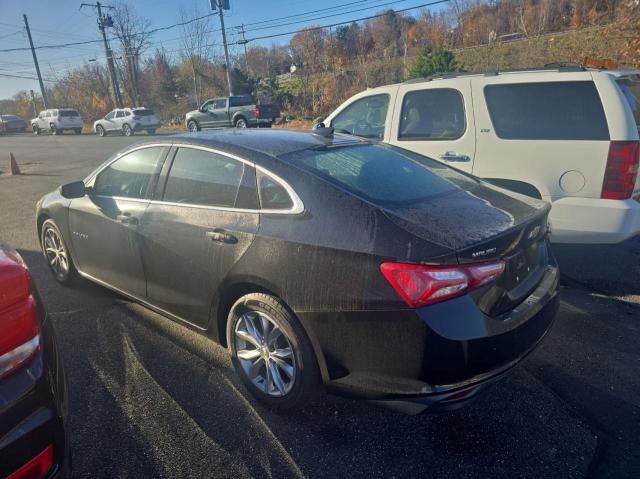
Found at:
[567, 136]
[12, 123]
[34, 441]
[127, 121]
[57, 120]
[381, 273]
[232, 111]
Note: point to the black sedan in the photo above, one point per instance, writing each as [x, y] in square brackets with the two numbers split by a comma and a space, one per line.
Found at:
[12, 123]
[381, 273]
[33, 394]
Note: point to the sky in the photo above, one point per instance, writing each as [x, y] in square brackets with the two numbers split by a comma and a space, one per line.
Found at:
[62, 21]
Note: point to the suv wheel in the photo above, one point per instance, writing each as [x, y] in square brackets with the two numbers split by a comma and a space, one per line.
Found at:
[127, 130]
[100, 131]
[53, 129]
[192, 126]
[56, 253]
[241, 123]
[36, 130]
[271, 352]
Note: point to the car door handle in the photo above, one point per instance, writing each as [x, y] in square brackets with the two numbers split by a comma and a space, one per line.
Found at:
[127, 219]
[453, 156]
[221, 236]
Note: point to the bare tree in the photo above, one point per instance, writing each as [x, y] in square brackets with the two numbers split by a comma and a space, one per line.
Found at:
[131, 30]
[195, 48]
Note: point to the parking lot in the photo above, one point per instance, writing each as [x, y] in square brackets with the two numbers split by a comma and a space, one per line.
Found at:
[150, 398]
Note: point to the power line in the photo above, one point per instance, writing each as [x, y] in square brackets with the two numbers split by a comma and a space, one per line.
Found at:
[9, 75]
[326, 16]
[346, 22]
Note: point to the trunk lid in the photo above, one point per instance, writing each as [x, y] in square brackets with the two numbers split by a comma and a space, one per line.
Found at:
[481, 224]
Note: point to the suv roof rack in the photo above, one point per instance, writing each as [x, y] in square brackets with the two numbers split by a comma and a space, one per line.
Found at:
[557, 66]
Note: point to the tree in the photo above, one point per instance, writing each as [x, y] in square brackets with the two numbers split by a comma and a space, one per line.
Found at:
[131, 31]
[433, 60]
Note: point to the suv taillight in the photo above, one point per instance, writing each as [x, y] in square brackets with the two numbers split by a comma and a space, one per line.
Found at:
[19, 328]
[621, 171]
[256, 112]
[420, 285]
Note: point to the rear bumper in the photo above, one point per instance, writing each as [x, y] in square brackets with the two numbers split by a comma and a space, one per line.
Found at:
[259, 121]
[145, 126]
[594, 221]
[33, 412]
[436, 357]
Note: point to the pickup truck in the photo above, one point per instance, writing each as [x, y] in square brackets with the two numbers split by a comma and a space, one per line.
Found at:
[236, 111]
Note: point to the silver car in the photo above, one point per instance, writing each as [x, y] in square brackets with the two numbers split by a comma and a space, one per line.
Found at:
[127, 121]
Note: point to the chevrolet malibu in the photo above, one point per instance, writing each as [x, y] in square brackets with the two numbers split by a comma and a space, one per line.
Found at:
[317, 259]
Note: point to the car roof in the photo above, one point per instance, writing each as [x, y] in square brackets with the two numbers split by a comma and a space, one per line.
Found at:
[272, 142]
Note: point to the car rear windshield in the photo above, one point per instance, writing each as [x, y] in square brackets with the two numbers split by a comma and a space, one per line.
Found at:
[68, 113]
[547, 111]
[9, 117]
[630, 87]
[144, 112]
[382, 174]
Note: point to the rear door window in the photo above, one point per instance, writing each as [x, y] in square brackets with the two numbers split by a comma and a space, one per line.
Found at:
[547, 111]
[273, 196]
[200, 177]
[365, 117]
[432, 115]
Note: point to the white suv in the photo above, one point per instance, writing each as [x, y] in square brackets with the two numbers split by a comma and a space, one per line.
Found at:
[568, 136]
[57, 120]
[127, 121]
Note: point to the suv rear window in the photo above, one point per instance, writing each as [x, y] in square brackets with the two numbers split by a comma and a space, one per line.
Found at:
[630, 88]
[381, 174]
[144, 112]
[547, 111]
[68, 113]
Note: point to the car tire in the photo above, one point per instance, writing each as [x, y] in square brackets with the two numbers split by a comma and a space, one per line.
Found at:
[293, 377]
[151, 131]
[193, 126]
[77, 131]
[101, 131]
[241, 123]
[53, 129]
[36, 129]
[56, 253]
[127, 130]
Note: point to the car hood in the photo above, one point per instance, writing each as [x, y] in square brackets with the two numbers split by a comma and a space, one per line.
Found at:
[463, 218]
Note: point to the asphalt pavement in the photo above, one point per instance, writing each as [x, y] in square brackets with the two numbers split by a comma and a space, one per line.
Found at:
[150, 398]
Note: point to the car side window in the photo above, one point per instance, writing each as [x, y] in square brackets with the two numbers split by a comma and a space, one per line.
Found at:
[220, 104]
[200, 177]
[127, 113]
[208, 106]
[110, 115]
[42, 114]
[432, 115]
[129, 176]
[120, 114]
[47, 114]
[273, 196]
[365, 117]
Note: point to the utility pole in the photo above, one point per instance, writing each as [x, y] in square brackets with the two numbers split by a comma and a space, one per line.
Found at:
[103, 22]
[220, 5]
[244, 42]
[35, 60]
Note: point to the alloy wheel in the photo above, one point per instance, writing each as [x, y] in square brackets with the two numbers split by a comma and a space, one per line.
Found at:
[56, 253]
[265, 353]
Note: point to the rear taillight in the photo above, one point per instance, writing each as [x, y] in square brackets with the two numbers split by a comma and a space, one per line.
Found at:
[256, 112]
[19, 328]
[420, 285]
[36, 468]
[621, 171]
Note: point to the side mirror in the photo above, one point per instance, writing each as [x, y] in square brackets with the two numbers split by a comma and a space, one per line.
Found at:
[318, 123]
[77, 189]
